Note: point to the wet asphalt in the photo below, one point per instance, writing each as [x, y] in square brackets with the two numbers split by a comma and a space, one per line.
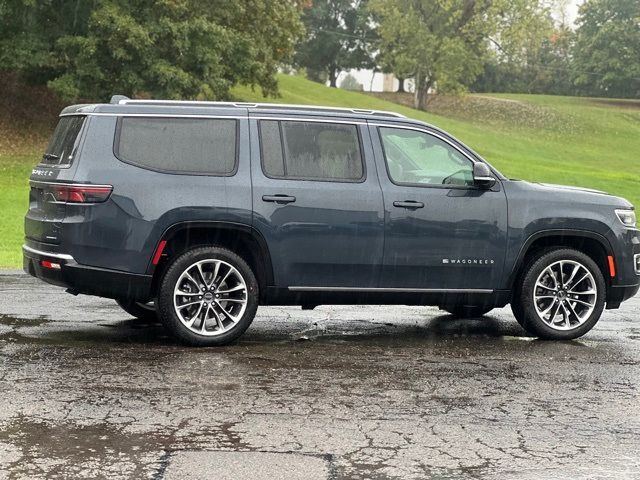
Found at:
[333, 393]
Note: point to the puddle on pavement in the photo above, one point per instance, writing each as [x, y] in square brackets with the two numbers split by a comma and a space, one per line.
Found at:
[439, 335]
[22, 322]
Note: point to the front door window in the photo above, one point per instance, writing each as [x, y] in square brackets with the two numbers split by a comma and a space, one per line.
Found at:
[417, 158]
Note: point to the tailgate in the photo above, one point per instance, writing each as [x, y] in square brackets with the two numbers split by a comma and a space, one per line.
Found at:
[46, 210]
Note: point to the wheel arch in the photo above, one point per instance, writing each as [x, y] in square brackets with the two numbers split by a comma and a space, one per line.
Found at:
[592, 244]
[242, 239]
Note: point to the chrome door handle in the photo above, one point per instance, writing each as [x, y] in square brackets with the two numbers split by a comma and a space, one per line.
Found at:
[279, 198]
[410, 204]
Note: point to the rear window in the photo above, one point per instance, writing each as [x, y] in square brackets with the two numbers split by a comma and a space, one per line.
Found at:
[200, 146]
[64, 143]
[301, 150]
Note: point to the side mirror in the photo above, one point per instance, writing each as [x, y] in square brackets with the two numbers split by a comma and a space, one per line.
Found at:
[482, 175]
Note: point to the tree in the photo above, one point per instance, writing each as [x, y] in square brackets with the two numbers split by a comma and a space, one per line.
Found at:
[172, 49]
[547, 70]
[339, 37]
[395, 59]
[446, 42]
[531, 53]
[606, 57]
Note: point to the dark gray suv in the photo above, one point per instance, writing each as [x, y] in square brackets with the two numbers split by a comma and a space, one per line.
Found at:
[198, 212]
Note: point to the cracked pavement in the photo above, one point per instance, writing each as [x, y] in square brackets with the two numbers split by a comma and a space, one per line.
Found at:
[341, 392]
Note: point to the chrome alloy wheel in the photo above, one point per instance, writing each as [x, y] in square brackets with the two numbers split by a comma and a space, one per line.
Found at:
[210, 297]
[565, 295]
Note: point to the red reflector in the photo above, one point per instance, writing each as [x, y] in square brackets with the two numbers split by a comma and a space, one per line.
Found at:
[48, 264]
[159, 250]
[81, 194]
[612, 266]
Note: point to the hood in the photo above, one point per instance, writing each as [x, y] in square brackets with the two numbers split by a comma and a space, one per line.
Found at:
[574, 189]
[571, 194]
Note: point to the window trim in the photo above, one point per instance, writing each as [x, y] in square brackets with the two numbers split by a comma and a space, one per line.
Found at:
[362, 179]
[116, 147]
[422, 185]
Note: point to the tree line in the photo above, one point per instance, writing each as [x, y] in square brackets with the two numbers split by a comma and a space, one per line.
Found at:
[89, 49]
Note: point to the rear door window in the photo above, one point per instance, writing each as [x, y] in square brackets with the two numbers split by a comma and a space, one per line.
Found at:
[300, 150]
[199, 146]
[64, 143]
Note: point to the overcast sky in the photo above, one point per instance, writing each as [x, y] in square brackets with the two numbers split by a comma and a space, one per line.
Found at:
[572, 10]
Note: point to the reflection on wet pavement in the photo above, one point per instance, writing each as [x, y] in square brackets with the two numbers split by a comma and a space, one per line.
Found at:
[352, 392]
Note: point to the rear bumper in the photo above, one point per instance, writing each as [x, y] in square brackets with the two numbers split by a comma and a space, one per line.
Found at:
[85, 279]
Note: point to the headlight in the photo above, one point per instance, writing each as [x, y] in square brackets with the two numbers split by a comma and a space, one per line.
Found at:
[627, 217]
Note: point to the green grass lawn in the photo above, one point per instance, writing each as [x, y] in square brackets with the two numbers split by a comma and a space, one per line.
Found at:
[573, 141]
[14, 201]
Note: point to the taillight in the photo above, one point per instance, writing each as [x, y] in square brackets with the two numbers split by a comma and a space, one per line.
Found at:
[81, 193]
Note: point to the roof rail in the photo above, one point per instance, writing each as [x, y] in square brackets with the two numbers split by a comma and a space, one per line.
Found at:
[272, 106]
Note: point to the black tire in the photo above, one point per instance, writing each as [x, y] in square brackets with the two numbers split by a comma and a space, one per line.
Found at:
[165, 302]
[518, 312]
[523, 307]
[145, 313]
[466, 311]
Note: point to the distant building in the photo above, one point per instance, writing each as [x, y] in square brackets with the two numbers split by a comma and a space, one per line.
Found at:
[376, 81]
[389, 83]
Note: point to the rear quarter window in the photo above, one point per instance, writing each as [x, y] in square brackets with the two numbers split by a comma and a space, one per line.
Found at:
[199, 146]
[64, 142]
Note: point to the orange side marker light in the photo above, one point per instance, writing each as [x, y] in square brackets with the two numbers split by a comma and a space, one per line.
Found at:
[612, 266]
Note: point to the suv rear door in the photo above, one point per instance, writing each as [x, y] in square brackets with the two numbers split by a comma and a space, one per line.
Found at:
[317, 200]
[441, 231]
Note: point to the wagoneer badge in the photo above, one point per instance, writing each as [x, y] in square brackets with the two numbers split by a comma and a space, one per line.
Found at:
[468, 261]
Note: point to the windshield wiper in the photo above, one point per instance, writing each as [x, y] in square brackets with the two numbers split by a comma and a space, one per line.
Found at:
[50, 156]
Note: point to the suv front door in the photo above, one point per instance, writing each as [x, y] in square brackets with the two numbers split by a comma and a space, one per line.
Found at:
[441, 231]
[317, 201]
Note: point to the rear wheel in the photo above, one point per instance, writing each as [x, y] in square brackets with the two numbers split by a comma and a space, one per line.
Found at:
[562, 295]
[208, 296]
[145, 312]
[466, 311]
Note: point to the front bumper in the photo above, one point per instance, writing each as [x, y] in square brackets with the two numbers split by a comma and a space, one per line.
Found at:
[84, 279]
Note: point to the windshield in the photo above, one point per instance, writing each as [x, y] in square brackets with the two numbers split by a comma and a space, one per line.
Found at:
[64, 142]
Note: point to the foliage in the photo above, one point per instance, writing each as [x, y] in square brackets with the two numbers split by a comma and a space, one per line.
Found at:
[166, 48]
[446, 42]
[339, 37]
[607, 50]
[547, 68]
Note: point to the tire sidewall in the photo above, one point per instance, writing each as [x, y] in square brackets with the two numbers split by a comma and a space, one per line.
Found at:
[530, 318]
[168, 315]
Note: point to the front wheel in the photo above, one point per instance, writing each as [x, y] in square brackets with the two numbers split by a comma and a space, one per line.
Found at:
[562, 295]
[208, 296]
